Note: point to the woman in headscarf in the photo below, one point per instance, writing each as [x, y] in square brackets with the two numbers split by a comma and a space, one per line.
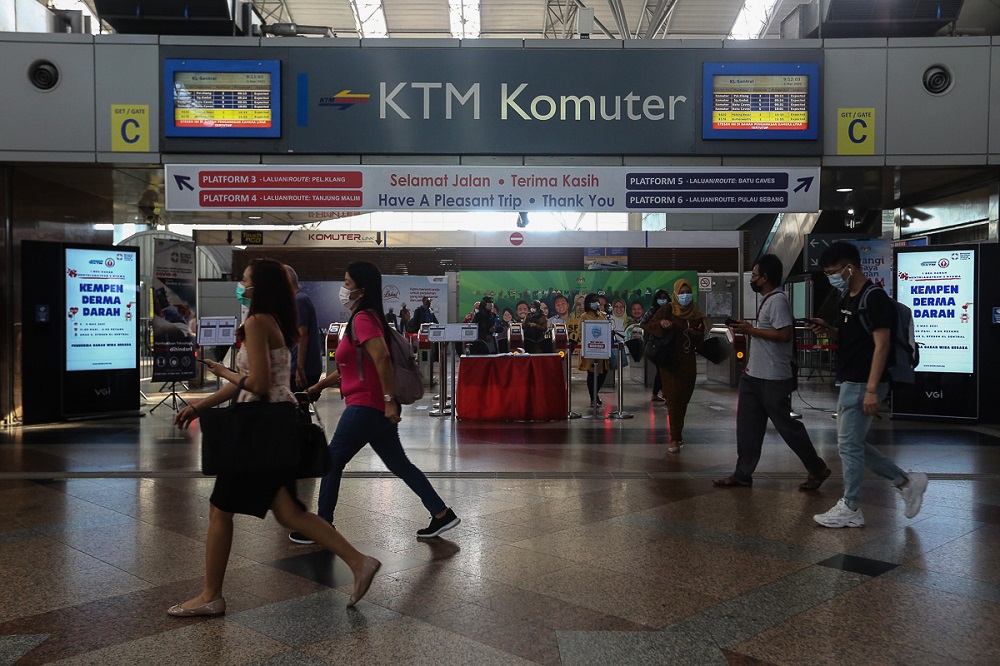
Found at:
[680, 370]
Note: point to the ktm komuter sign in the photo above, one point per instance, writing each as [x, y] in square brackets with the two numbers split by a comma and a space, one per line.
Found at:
[468, 188]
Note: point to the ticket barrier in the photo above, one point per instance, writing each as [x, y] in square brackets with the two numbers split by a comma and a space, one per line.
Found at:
[735, 345]
[333, 333]
[515, 336]
[560, 337]
[425, 355]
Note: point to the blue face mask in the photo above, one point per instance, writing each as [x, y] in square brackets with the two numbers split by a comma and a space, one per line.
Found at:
[595, 306]
[661, 302]
[838, 282]
[685, 300]
[241, 295]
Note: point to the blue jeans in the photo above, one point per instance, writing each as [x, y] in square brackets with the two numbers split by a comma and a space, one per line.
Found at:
[360, 425]
[855, 452]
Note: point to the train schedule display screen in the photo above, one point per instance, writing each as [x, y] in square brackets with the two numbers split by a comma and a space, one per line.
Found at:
[761, 101]
[222, 98]
[101, 309]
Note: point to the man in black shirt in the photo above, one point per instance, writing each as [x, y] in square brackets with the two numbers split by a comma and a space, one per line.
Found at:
[862, 373]
[486, 319]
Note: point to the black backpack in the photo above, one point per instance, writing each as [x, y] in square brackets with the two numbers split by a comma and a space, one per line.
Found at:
[904, 354]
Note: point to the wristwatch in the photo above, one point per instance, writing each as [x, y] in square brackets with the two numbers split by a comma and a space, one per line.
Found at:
[388, 397]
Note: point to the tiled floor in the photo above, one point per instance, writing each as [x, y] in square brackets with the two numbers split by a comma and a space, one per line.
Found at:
[582, 542]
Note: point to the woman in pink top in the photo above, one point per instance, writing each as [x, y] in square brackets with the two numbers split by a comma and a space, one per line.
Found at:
[263, 361]
[372, 413]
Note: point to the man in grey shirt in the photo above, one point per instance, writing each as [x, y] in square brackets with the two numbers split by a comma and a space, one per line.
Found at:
[766, 386]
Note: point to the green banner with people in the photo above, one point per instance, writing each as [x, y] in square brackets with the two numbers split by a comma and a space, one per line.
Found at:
[561, 293]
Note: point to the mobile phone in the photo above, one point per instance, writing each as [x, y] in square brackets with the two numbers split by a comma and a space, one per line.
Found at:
[731, 322]
[803, 322]
[201, 360]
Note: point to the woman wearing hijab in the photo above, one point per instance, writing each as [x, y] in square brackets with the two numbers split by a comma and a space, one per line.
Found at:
[679, 373]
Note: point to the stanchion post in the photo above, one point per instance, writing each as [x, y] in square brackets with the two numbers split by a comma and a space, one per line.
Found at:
[621, 413]
[443, 408]
[569, 384]
[454, 390]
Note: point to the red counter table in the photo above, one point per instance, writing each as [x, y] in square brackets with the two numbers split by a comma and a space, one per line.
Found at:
[511, 388]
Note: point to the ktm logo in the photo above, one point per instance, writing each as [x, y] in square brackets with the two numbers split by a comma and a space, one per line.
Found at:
[345, 99]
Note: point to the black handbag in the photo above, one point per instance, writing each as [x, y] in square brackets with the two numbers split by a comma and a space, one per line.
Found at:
[636, 348]
[263, 437]
[658, 350]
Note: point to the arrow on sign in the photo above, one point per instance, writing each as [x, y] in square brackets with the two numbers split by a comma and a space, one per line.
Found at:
[229, 237]
[183, 181]
[805, 182]
[378, 237]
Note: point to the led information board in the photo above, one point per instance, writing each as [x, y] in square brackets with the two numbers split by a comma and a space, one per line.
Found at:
[100, 309]
[761, 101]
[222, 98]
[939, 286]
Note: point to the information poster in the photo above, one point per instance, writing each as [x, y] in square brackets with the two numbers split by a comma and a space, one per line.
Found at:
[100, 309]
[174, 321]
[398, 291]
[939, 286]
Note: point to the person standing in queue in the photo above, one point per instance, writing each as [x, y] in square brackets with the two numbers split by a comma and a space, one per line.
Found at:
[535, 326]
[364, 370]
[488, 323]
[600, 366]
[680, 372]
[660, 298]
[263, 362]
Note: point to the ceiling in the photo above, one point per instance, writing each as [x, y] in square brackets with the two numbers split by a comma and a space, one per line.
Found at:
[541, 19]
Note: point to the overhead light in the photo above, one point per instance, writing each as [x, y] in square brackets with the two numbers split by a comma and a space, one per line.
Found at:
[850, 211]
[845, 189]
[253, 217]
[104, 227]
[465, 20]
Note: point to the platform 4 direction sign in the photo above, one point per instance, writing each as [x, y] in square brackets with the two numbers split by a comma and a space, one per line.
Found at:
[460, 188]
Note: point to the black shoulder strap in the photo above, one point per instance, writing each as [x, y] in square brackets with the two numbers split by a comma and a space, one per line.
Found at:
[764, 300]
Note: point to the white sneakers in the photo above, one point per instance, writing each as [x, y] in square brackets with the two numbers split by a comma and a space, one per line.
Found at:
[913, 493]
[913, 497]
[841, 516]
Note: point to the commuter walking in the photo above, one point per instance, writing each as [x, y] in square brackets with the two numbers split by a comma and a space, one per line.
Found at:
[365, 372]
[488, 323]
[680, 371]
[864, 383]
[404, 319]
[596, 368]
[307, 354]
[263, 362]
[766, 386]
[660, 298]
[536, 324]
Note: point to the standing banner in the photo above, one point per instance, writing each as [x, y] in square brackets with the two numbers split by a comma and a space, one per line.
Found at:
[397, 291]
[876, 261]
[175, 325]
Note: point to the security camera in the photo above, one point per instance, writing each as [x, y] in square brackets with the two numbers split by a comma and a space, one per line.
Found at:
[938, 80]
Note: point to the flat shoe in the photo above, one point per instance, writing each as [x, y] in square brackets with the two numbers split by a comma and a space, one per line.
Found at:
[814, 481]
[217, 607]
[656, 398]
[731, 482]
[367, 573]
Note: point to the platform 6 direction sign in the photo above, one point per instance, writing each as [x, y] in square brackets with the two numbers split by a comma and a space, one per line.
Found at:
[459, 188]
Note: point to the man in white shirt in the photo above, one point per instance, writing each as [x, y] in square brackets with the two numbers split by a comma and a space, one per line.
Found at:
[766, 385]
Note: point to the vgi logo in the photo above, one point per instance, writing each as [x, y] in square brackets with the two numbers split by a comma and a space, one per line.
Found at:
[345, 99]
[937, 395]
[106, 391]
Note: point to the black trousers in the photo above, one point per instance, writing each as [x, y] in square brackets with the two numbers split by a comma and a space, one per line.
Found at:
[760, 400]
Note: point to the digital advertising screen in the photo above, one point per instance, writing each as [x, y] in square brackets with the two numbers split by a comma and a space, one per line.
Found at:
[222, 98]
[939, 286]
[101, 309]
[760, 101]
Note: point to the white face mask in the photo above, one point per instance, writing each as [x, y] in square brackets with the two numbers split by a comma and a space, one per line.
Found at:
[345, 298]
[661, 302]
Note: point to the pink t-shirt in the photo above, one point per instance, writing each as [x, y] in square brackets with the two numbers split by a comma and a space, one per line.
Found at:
[367, 392]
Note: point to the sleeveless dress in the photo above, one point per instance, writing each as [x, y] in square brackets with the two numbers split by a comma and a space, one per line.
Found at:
[253, 494]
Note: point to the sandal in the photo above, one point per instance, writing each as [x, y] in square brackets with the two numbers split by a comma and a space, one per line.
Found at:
[731, 482]
[814, 481]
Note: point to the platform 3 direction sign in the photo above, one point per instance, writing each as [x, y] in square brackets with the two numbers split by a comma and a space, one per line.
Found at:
[468, 188]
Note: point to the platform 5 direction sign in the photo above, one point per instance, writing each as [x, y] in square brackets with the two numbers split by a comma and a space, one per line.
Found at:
[452, 188]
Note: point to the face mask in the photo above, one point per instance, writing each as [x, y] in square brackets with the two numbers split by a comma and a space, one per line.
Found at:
[661, 302]
[685, 299]
[533, 310]
[345, 298]
[838, 282]
[595, 306]
[755, 286]
[241, 295]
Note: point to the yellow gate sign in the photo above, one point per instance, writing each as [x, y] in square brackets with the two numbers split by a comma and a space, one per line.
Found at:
[855, 131]
[130, 128]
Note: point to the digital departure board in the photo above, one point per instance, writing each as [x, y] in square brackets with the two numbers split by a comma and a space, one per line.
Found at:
[222, 98]
[761, 101]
